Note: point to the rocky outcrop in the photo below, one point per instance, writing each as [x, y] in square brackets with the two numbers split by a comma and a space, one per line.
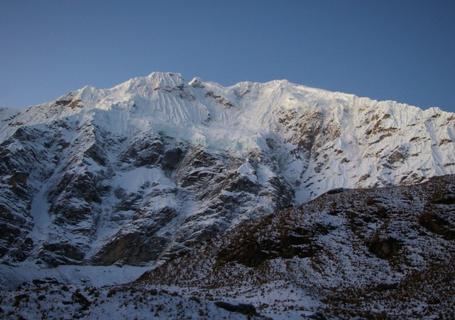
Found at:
[140, 243]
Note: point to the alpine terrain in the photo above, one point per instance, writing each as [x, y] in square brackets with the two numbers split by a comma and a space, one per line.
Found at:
[162, 198]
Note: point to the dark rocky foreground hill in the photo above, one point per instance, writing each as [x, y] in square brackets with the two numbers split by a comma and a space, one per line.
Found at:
[377, 253]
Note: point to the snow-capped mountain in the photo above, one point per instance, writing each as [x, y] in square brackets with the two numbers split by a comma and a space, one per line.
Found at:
[163, 164]
[229, 193]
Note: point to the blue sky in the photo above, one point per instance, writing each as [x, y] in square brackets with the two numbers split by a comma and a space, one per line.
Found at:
[398, 49]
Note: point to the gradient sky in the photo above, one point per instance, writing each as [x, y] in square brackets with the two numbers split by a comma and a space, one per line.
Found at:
[402, 50]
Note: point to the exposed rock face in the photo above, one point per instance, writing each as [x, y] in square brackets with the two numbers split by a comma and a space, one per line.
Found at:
[58, 253]
[140, 244]
[166, 165]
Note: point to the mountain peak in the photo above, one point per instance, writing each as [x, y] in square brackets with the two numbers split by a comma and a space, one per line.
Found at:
[153, 81]
[170, 79]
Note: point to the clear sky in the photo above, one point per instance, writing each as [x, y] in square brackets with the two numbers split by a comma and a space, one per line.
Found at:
[398, 49]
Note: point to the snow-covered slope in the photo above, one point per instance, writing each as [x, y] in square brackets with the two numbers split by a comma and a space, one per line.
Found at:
[163, 164]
